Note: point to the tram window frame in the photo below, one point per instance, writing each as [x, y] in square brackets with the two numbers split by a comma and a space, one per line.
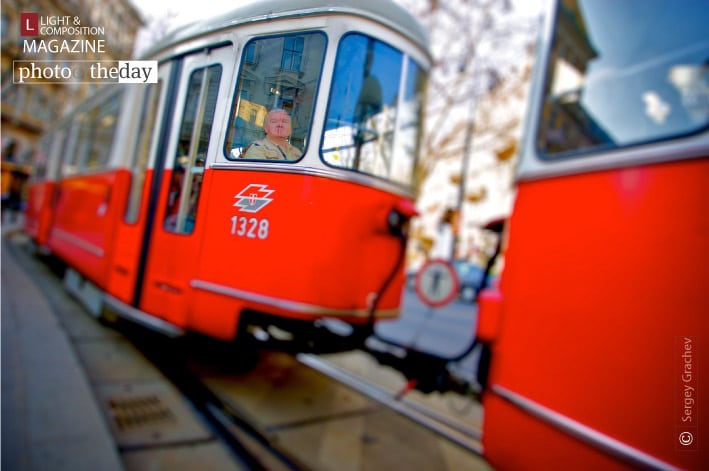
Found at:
[366, 115]
[194, 133]
[141, 151]
[252, 103]
[588, 119]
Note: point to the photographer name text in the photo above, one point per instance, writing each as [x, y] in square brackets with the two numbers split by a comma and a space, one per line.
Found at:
[689, 391]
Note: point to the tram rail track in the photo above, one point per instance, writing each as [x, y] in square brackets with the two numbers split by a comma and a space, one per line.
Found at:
[465, 436]
[345, 399]
[261, 413]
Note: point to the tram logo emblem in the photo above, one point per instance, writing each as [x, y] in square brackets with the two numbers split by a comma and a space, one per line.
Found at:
[253, 198]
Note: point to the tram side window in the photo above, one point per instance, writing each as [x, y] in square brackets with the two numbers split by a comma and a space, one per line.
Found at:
[616, 78]
[103, 132]
[69, 152]
[373, 122]
[195, 130]
[277, 73]
[141, 151]
[83, 141]
[40, 160]
[48, 158]
[95, 132]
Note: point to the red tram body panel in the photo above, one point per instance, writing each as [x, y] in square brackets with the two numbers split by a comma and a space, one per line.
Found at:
[598, 336]
[38, 211]
[597, 331]
[268, 261]
[86, 212]
[298, 203]
[123, 269]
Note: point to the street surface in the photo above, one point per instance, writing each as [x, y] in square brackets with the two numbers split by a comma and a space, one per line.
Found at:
[315, 422]
[446, 331]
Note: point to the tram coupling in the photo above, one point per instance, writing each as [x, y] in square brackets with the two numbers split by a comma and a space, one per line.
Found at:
[423, 371]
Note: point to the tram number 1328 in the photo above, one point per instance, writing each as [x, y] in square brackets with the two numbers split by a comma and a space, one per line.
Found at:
[251, 228]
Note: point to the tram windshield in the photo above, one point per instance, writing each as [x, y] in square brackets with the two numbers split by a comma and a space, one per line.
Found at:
[373, 121]
[278, 73]
[621, 74]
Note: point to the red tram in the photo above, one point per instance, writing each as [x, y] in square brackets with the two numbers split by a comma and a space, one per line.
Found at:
[599, 330]
[148, 194]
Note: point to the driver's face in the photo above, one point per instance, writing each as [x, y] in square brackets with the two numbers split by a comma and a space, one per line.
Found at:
[278, 124]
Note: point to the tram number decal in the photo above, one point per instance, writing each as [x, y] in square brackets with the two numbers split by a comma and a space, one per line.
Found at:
[251, 228]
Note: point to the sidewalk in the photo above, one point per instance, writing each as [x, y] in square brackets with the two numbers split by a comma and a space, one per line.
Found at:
[50, 418]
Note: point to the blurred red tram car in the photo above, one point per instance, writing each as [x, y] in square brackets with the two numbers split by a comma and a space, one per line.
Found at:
[144, 192]
[599, 330]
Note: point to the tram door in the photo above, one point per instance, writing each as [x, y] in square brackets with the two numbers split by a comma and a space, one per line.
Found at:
[131, 227]
[173, 235]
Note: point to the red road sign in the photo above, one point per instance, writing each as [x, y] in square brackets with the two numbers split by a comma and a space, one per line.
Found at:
[437, 283]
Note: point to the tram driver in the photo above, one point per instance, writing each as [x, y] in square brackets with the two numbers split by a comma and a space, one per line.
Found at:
[275, 145]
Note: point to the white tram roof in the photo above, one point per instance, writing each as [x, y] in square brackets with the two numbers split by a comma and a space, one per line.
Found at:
[383, 11]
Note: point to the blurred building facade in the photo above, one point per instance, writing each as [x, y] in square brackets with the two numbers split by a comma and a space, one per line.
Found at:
[489, 189]
[28, 109]
[478, 90]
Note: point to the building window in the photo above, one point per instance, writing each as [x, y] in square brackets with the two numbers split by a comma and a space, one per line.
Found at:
[250, 53]
[292, 53]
